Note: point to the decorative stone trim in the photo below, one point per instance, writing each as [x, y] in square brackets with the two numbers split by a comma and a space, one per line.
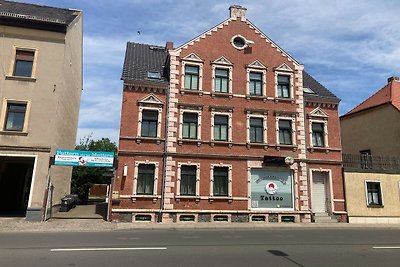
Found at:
[178, 180]
[264, 118]
[135, 178]
[229, 181]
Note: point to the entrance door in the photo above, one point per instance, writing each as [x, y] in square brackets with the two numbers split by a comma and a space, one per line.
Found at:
[319, 192]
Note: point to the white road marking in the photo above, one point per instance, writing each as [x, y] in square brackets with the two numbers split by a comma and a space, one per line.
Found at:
[102, 249]
[386, 247]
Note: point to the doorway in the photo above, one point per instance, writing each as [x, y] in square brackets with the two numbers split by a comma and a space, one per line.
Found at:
[320, 191]
[15, 185]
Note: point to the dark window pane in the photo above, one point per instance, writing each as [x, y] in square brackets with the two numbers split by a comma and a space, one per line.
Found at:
[374, 193]
[221, 128]
[283, 86]
[23, 68]
[145, 181]
[189, 127]
[255, 85]
[15, 117]
[256, 130]
[149, 123]
[188, 180]
[285, 132]
[191, 77]
[221, 181]
[318, 134]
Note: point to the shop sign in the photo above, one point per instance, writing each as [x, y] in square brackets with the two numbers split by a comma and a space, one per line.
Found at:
[272, 189]
[84, 158]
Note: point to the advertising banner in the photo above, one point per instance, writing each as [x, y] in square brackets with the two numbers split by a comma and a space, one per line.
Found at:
[84, 158]
[271, 189]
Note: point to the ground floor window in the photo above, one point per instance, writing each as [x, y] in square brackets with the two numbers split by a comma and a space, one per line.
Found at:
[272, 188]
[374, 194]
[145, 181]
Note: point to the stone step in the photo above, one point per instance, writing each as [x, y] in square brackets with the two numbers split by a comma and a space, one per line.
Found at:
[324, 218]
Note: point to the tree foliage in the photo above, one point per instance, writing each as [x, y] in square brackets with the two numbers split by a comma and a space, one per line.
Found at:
[84, 177]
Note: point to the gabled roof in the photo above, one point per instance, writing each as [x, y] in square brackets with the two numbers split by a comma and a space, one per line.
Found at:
[142, 58]
[35, 16]
[320, 91]
[389, 94]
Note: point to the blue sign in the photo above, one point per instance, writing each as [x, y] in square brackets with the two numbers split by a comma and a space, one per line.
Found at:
[84, 158]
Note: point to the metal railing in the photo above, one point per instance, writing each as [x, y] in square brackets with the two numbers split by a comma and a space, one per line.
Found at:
[369, 163]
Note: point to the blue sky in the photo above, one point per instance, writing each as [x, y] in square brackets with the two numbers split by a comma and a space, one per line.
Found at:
[351, 47]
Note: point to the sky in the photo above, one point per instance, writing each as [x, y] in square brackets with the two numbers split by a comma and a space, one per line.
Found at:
[349, 46]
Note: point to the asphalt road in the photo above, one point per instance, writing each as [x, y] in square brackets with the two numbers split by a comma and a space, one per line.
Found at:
[264, 247]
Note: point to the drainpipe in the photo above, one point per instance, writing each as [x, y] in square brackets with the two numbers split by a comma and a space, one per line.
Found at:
[165, 154]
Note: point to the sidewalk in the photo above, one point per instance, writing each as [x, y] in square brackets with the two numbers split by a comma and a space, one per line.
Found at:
[93, 225]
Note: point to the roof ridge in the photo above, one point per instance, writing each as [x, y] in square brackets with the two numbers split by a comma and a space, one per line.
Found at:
[353, 110]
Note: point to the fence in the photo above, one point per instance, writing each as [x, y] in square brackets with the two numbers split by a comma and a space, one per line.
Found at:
[368, 163]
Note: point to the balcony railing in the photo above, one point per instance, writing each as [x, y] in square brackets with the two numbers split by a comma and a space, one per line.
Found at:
[370, 163]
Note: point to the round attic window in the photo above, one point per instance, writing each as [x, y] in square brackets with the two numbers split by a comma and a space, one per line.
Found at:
[239, 42]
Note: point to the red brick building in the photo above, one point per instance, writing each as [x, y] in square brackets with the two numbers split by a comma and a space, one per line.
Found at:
[226, 127]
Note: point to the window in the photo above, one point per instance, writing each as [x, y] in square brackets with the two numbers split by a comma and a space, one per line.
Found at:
[188, 180]
[191, 77]
[220, 181]
[256, 130]
[189, 127]
[285, 132]
[15, 117]
[153, 75]
[145, 180]
[374, 194]
[221, 127]
[23, 63]
[318, 134]
[149, 123]
[366, 159]
[221, 80]
[256, 81]
[283, 86]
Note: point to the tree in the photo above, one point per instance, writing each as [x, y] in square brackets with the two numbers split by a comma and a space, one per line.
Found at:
[84, 177]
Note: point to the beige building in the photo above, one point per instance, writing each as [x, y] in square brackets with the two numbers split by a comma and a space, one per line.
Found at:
[370, 139]
[40, 89]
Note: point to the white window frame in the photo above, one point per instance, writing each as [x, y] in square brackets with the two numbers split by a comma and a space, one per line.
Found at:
[4, 114]
[380, 192]
[230, 71]
[229, 114]
[136, 174]
[139, 128]
[291, 81]
[264, 80]
[229, 179]
[325, 123]
[293, 120]
[192, 62]
[178, 180]
[181, 112]
[264, 118]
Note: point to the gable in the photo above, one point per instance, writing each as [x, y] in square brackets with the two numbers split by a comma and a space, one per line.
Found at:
[222, 61]
[193, 57]
[150, 99]
[284, 67]
[257, 65]
[318, 113]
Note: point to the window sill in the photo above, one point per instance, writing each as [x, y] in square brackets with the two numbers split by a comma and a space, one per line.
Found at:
[190, 141]
[279, 147]
[215, 142]
[250, 145]
[20, 78]
[227, 198]
[280, 99]
[181, 197]
[139, 139]
[191, 92]
[374, 206]
[256, 97]
[13, 133]
[319, 149]
[135, 197]
[219, 94]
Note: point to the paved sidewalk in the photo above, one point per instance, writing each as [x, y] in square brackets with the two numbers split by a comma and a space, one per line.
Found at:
[92, 225]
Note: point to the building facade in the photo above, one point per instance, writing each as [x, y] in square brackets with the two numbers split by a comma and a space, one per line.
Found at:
[226, 127]
[371, 157]
[40, 89]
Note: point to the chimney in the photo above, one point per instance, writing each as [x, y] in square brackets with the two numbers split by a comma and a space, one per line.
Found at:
[169, 46]
[393, 78]
[237, 11]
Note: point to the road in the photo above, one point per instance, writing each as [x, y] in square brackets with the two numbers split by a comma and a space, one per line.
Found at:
[261, 247]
